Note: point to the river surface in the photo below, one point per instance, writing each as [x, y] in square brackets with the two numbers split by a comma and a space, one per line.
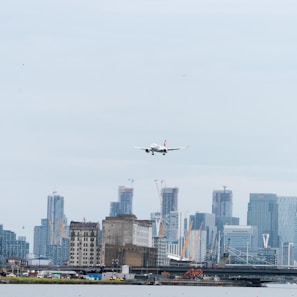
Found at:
[21, 290]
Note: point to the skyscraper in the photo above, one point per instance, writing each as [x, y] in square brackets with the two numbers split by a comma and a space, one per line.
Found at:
[287, 211]
[169, 213]
[51, 238]
[56, 219]
[222, 208]
[124, 205]
[125, 200]
[263, 213]
[287, 224]
[222, 203]
[169, 201]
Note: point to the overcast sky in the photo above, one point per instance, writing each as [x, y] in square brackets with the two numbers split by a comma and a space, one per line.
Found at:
[84, 82]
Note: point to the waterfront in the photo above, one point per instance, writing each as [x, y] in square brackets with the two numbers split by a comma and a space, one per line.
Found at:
[272, 290]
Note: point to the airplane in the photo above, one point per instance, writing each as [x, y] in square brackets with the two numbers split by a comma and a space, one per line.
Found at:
[157, 148]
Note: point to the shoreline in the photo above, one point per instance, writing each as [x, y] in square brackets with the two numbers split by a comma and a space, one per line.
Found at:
[165, 282]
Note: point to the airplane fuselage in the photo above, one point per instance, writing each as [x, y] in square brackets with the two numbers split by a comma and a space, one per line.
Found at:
[157, 148]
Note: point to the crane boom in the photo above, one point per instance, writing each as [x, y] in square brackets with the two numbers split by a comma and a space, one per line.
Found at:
[193, 251]
[186, 241]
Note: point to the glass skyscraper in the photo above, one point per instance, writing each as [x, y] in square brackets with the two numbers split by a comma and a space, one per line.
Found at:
[52, 237]
[287, 221]
[125, 200]
[56, 219]
[124, 205]
[263, 213]
[222, 208]
[222, 203]
[169, 201]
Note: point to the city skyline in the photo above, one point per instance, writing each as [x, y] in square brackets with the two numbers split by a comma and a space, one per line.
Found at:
[79, 93]
[172, 191]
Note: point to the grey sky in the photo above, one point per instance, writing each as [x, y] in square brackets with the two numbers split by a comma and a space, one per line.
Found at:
[83, 82]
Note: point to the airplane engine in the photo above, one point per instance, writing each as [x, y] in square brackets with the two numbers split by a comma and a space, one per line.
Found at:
[147, 150]
[165, 151]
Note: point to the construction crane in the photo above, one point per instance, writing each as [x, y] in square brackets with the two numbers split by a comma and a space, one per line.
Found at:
[194, 246]
[182, 255]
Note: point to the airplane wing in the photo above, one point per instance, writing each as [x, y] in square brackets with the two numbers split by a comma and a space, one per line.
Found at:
[176, 148]
[147, 149]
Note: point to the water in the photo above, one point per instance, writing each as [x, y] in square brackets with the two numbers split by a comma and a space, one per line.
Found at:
[273, 290]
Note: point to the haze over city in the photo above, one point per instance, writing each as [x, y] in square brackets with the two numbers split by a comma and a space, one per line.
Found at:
[83, 83]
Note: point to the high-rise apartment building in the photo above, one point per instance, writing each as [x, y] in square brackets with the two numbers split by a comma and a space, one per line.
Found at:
[263, 213]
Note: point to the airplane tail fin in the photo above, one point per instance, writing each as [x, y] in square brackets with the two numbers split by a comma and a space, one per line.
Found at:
[164, 143]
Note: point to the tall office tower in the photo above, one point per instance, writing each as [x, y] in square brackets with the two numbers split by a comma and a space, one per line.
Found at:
[263, 213]
[222, 203]
[222, 208]
[287, 222]
[169, 201]
[56, 219]
[125, 200]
